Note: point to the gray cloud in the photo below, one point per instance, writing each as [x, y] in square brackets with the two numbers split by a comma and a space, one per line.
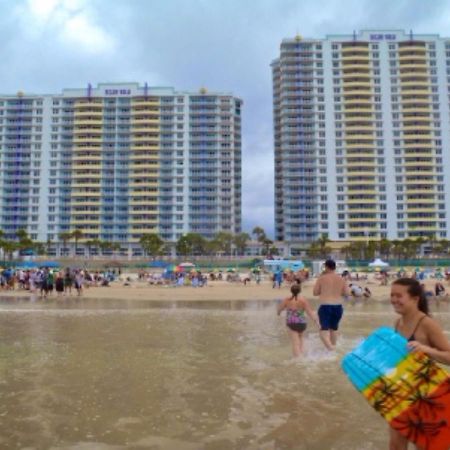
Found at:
[48, 45]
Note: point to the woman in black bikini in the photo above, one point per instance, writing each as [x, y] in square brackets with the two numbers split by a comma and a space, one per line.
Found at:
[423, 333]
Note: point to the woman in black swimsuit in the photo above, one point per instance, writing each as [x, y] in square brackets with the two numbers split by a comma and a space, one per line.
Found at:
[423, 333]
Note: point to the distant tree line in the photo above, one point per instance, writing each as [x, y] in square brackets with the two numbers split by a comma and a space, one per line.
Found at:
[384, 248]
[223, 243]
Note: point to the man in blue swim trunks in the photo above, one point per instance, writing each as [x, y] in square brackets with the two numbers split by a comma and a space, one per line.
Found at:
[330, 287]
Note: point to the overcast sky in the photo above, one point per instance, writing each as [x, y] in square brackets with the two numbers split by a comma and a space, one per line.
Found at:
[224, 45]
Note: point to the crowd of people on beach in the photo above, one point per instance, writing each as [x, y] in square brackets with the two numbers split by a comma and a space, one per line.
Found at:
[45, 281]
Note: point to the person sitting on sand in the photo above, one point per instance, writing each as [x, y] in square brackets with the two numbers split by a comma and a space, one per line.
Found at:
[356, 291]
[296, 305]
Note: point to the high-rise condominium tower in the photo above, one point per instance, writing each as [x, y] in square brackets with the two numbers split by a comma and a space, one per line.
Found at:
[362, 136]
[118, 161]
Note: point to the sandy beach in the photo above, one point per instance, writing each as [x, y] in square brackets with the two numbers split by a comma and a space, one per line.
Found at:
[214, 291]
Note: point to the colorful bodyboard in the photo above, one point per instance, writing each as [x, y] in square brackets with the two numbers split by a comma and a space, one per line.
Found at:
[407, 388]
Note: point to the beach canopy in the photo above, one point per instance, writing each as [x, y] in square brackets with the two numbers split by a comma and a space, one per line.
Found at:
[51, 264]
[378, 263]
[186, 264]
[158, 263]
[283, 264]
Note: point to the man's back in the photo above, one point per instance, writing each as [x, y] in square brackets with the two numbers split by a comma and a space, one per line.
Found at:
[330, 287]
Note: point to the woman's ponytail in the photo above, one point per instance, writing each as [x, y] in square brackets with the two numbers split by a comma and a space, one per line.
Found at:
[295, 290]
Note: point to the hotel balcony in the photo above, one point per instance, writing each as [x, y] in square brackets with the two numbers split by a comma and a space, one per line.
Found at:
[411, 89]
[83, 202]
[356, 70]
[153, 140]
[408, 54]
[368, 226]
[421, 163]
[87, 139]
[409, 119]
[358, 220]
[359, 58]
[353, 106]
[97, 113]
[85, 173]
[411, 128]
[140, 117]
[144, 201]
[357, 127]
[142, 128]
[419, 81]
[145, 102]
[416, 101]
[362, 200]
[357, 101]
[362, 209]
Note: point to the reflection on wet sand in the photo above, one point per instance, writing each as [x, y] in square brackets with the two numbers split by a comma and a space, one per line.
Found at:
[91, 374]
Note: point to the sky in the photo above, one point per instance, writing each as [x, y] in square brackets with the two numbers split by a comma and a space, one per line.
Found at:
[226, 46]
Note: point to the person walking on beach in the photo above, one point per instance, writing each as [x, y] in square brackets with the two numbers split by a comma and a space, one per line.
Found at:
[424, 334]
[330, 287]
[296, 305]
[277, 279]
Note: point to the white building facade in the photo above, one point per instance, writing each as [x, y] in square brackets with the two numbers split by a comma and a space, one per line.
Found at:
[362, 139]
[119, 160]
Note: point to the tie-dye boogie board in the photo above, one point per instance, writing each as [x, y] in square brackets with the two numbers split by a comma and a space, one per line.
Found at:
[408, 389]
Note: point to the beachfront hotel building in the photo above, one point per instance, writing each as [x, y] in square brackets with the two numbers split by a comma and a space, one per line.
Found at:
[362, 136]
[120, 160]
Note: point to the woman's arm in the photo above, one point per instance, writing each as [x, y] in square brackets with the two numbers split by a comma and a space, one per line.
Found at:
[439, 348]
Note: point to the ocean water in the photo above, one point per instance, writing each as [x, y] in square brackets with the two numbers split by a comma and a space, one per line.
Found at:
[97, 374]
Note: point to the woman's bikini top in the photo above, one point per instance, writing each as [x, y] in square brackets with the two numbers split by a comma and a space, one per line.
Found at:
[412, 338]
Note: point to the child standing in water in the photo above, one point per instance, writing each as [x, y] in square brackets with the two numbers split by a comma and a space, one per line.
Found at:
[296, 305]
[424, 334]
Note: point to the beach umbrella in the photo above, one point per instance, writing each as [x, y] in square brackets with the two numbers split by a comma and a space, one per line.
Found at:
[186, 264]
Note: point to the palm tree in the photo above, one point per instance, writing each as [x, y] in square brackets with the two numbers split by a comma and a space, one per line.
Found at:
[65, 237]
[9, 247]
[92, 243]
[25, 242]
[384, 247]
[319, 248]
[77, 235]
[224, 242]
[240, 242]
[152, 244]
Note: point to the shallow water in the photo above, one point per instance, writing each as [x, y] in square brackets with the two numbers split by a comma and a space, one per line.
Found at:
[96, 374]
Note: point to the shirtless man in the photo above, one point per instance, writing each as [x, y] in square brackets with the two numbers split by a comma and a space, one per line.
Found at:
[330, 287]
